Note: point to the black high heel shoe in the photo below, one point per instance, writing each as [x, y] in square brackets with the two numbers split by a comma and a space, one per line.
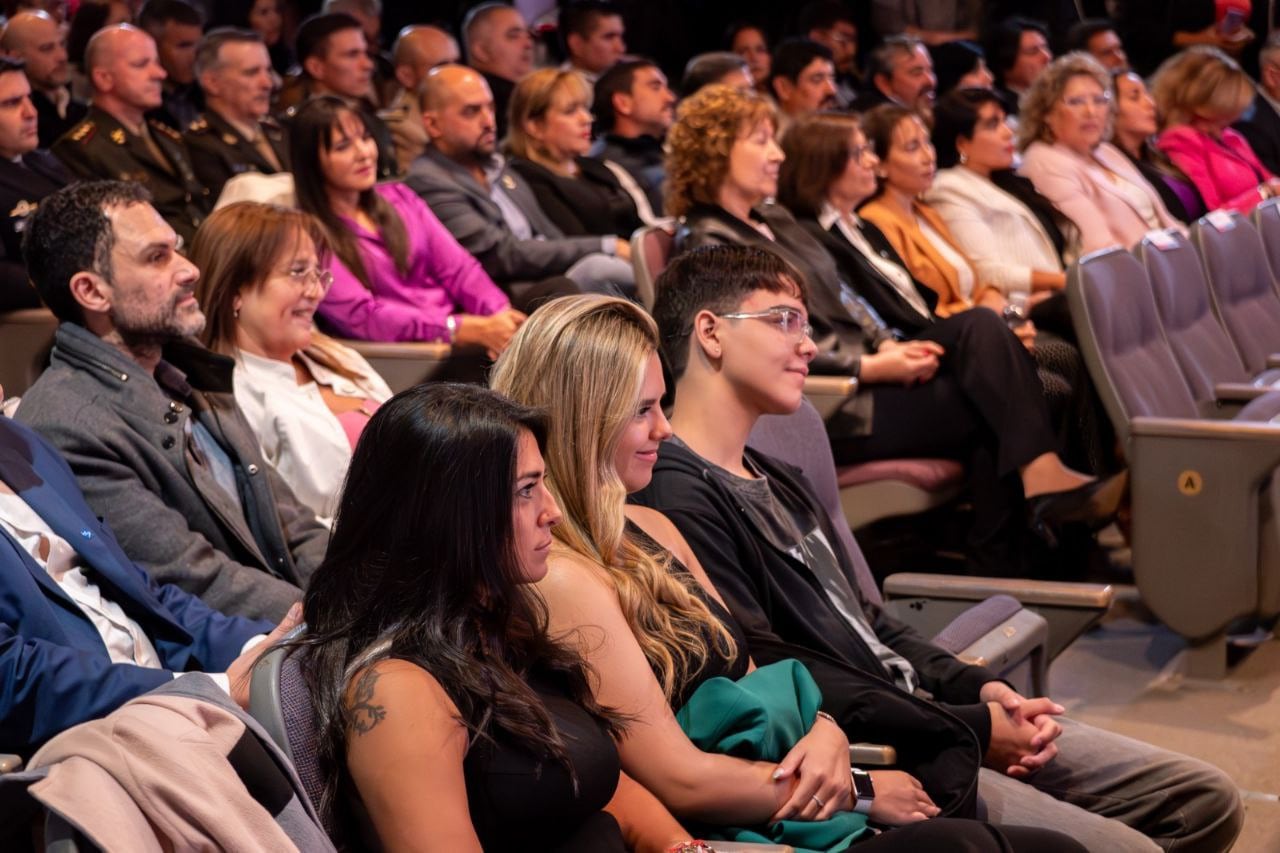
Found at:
[1093, 504]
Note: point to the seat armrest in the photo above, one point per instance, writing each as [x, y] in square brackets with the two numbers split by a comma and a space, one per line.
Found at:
[828, 393]
[10, 763]
[1239, 392]
[1273, 360]
[430, 350]
[872, 755]
[1093, 596]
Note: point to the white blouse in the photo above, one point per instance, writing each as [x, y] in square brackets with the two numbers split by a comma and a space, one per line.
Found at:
[299, 435]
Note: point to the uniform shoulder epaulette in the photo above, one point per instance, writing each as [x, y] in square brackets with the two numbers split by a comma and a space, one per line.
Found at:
[200, 125]
[165, 129]
[83, 131]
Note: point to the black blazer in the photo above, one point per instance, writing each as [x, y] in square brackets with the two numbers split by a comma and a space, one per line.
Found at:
[22, 186]
[1260, 125]
[592, 203]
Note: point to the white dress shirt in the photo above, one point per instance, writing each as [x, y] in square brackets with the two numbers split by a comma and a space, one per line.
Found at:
[299, 435]
[897, 275]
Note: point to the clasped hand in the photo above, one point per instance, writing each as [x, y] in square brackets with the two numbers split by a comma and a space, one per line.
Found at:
[1023, 730]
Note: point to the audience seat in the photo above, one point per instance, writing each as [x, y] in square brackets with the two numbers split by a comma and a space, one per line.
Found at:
[1266, 218]
[27, 337]
[1206, 549]
[1208, 360]
[999, 633]
[1244, 293]
[651, 248]
[403, 365]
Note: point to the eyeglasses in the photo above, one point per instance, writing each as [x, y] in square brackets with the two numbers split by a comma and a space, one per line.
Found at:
[300, 278]
[1077, 102]
[858, 152]
[789, 320]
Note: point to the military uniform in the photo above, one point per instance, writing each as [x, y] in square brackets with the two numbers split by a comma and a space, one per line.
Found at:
[22, 185]
[219, 151]
[101, 148]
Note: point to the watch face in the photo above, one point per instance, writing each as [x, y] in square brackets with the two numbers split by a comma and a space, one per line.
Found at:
[863, 786]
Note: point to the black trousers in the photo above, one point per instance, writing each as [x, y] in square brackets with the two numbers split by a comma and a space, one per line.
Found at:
[955, 835]
[985, 408]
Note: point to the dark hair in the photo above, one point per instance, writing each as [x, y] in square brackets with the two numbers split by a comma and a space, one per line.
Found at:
[88, 19]
[11, 63]
[1003, 40]
[879, 123]
[71, 233]
[952, 60]
[311, 131]
[422, 567]
[478, 15]
[955, 116]
[817, 149]
[1082, 31]
[823, 15]
[707, 68]
[882, 59]
[209, 46]
[792, 56]
[731, 32]
[618, 79]
[580, 16]
[314, 33]
[716, 279]
[156, 13]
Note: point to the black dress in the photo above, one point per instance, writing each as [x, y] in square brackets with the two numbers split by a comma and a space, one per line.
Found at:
[525, 802]
[592, 203]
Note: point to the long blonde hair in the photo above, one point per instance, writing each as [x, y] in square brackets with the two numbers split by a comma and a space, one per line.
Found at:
[582, 358]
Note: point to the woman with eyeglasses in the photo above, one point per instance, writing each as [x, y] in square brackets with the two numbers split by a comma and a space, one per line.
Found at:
[1064, 123]
[263, 273]
[398, 274]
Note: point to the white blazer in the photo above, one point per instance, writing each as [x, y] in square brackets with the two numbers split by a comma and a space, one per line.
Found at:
[1080, 188]
[1002, 236]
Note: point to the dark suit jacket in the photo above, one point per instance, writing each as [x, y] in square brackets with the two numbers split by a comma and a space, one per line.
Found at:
[22, 186]
[219, 151]
[53, 664]
[50, 125]
[1260, 125]
[476, 222]
[592, 203]
[100, 148]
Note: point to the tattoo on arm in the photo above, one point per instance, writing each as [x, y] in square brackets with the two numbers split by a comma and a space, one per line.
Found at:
[364, 714]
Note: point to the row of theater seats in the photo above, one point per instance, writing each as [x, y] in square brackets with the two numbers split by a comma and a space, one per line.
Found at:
[1180, 338]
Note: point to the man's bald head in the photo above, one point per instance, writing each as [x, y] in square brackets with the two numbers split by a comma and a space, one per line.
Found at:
[457, 113]
[36, 38]
[420, 48]
[125, 71]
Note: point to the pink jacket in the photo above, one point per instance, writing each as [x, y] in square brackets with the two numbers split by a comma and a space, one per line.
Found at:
[1226, 172]
[1080, 188]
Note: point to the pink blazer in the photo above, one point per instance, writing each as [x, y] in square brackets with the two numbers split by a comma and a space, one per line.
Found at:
[1227, 172]
[1080, 188]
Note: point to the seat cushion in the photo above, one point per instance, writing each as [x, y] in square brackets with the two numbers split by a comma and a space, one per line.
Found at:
[931, 475]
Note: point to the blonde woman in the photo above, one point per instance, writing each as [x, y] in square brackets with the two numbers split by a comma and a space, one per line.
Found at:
[651, 624]
[1199, 94]
[549, 134]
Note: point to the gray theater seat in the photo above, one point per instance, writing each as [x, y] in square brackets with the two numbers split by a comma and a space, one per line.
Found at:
[1244, 293]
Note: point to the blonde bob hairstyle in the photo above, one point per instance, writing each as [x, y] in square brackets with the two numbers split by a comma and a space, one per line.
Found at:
[1200, 82]
[583, 359]
[534, 96]
[1046, 93]
[698, 144]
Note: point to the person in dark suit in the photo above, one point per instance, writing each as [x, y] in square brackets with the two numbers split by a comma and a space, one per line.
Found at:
[26, 176]
[499, 46]
[236, 133]
[634, 106]
[117, 141]
[83, 628]
[37, 39]
[491, 210]
[1260, 123]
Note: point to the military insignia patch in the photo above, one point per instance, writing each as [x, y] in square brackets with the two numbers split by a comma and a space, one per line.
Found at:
[117, 136]
[83, 132]
[228, 139]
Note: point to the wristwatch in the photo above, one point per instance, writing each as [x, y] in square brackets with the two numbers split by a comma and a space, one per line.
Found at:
[863, 791]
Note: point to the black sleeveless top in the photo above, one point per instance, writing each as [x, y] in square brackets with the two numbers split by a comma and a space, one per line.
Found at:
[716, 664]
[525, 802]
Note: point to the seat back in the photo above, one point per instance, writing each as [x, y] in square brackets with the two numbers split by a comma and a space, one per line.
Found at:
[651, 250]
[1244, 293]
[1200, 344]
[1123, 345]
[280, 701]
[1266, 218]
[25, 340]
[800, 439]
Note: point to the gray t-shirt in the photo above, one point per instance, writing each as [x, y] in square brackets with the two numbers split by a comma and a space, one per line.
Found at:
[791, 528]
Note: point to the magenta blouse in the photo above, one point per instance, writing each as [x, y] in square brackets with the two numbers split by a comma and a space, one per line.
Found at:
[442, 279]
